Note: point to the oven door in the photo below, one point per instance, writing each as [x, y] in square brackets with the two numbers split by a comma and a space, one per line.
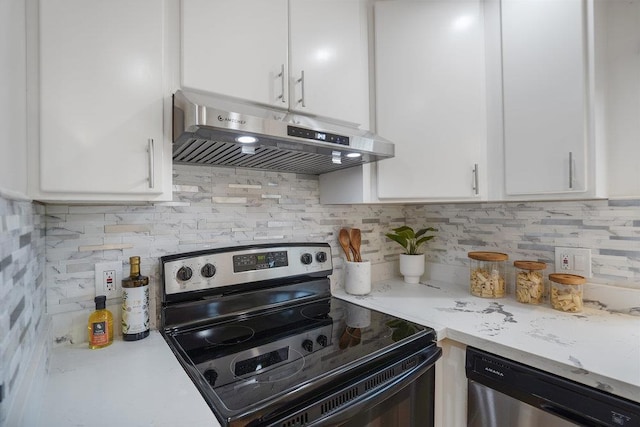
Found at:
[404, 400]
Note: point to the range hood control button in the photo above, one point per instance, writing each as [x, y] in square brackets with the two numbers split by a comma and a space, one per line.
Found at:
[184, 274]
[306, 259]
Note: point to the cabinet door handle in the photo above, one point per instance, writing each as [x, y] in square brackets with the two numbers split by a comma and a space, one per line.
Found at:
[281, 75]
[301, 81]
[570, 170]
[476, 185]
[152, 174]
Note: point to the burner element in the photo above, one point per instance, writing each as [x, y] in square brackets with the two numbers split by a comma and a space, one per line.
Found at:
[227, 335]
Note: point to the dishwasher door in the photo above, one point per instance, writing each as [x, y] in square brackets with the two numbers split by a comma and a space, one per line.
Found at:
[491, 408]
[504, 393]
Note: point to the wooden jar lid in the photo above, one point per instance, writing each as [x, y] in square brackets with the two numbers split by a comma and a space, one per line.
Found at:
[567, 279]
[530, 265]
[488, 256]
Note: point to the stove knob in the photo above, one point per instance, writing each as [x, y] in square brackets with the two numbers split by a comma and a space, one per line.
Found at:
[306, 259]
[211, 376]
[321, 256]
[184, 274]
[307, 345]
[208, 270]
[322, 340]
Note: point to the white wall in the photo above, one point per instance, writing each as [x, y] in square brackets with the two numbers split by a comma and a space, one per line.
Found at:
[13, 89]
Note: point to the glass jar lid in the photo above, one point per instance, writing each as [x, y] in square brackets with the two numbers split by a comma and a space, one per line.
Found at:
[488, 256]
[567, 279]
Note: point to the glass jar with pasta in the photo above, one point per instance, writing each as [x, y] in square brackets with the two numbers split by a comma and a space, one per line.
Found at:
[530, 283]
[566, 292]
[488, 274]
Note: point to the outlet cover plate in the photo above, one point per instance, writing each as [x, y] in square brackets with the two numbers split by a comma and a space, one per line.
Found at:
[100, 277]
[573, 261]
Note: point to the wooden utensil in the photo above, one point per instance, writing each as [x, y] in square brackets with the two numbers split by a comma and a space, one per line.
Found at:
[345, 242]
[355, 237]
[345, 338]
[355, 337]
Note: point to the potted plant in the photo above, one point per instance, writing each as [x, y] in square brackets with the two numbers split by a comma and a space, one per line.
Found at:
[412, 260]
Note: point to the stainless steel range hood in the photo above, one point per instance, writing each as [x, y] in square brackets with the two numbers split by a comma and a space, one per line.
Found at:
[209, 130]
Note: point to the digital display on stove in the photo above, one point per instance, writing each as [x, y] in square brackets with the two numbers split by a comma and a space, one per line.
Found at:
[262, 361]
[260, 261]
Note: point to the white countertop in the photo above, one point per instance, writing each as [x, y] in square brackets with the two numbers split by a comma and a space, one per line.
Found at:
[137, 383]
[595, 347]
[141, 383]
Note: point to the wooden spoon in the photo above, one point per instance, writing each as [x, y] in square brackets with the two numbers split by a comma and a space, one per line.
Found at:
[355, 337]
[345, 242]
[355, 238]
[345, 339]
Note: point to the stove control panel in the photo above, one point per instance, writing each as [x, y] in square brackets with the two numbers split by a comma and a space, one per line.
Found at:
[204, 270]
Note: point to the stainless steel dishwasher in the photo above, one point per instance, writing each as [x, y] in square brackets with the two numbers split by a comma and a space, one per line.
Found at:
[504, 393]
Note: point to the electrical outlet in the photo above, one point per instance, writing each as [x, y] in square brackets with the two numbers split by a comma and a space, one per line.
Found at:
[574, 261]
[108, 276]
[109, 280]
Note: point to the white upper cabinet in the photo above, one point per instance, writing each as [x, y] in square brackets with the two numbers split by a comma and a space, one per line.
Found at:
[431, 100]
[309, 56]
[237, 48]
[618, 75]
[329, 59]
[547, 115]
[101, 101]
[13, 99]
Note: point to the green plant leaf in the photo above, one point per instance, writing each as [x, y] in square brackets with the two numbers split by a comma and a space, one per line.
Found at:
[398, 239]
[424, 230]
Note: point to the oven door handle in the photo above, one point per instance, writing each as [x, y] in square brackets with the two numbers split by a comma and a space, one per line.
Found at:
[380, 395]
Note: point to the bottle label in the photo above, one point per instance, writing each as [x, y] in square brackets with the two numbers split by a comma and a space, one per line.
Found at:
[99, 333]
[135, 309]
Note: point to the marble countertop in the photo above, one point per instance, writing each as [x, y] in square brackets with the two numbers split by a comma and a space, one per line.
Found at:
[138, 383]
[141, 383]
[596, 347]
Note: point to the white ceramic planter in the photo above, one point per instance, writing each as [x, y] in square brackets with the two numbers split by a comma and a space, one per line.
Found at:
[412, 267]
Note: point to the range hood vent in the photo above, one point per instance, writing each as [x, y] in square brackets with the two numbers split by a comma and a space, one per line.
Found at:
[207, 131]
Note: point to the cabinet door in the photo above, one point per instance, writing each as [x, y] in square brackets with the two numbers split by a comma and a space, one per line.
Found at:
[544, 92]
[329, 45]
[236, 48]
[430, 89]
[101, 96]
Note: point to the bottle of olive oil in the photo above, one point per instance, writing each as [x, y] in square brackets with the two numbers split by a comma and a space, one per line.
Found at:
[135, 303]
[100, 325]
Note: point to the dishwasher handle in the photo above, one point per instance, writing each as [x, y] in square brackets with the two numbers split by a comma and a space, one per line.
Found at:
[566, 414]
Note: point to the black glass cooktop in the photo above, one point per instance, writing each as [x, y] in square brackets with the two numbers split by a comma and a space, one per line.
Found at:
[250, 360]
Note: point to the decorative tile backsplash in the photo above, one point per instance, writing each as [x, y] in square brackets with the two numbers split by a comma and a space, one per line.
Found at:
[532, 230]
[215, 206]
[22, 291]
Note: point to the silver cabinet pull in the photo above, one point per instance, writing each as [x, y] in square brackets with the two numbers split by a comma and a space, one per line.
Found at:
[301, 81]
[570, 170]
[152, 171]
[281, 75]
[476, 189]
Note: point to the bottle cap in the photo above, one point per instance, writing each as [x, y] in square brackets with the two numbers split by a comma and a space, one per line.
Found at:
[101, 302]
